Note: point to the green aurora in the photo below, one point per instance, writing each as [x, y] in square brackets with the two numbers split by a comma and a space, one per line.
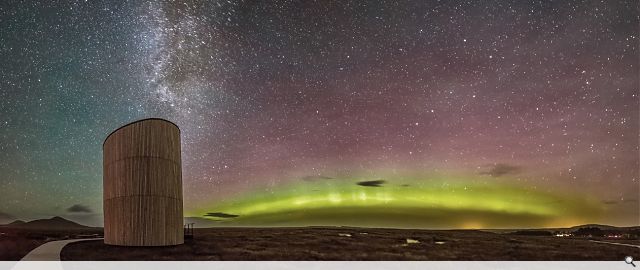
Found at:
[436, 203]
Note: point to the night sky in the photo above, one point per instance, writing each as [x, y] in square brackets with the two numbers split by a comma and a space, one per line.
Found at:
[443, 114]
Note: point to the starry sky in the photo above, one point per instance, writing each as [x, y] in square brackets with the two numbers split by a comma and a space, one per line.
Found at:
[443, 114]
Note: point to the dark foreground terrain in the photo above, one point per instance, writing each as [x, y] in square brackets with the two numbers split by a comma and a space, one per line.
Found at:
[15, 243]
[18, 238]
[357, 244]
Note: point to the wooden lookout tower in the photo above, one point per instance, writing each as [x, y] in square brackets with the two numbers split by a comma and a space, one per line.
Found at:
[143, 185]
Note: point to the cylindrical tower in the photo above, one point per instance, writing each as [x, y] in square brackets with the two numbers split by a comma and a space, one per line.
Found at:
[143, 185]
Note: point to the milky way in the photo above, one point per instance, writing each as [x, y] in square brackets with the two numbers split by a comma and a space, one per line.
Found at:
[305, 99]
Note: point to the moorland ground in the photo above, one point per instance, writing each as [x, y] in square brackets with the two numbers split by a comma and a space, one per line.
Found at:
[346, 243]
[15, 243]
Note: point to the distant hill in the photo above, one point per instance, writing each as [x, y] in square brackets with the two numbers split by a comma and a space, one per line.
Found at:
[603, 227]
[632, 229]
[54, 223]
[16, 223]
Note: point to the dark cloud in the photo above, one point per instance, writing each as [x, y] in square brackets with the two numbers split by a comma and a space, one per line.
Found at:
[221, 215]
[372, 183]
[501, 169]
[79, 208]
[316, 178]
[611, 202]
[556, 201]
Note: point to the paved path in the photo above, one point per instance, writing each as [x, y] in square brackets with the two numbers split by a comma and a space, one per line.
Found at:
[50, 251]
[612, 243]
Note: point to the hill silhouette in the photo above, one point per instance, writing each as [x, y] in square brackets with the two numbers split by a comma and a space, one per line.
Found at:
[54, 223]
[16, 223]
[604, 227]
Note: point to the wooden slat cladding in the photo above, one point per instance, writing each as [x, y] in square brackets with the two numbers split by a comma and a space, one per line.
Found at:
[143, 221]
[140, 176]
[143, 185]
[149, 138]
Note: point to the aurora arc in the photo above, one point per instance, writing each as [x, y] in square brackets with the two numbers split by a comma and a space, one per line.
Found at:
[421, 204]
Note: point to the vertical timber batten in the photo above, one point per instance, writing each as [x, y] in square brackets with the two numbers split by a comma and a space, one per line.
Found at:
[142, 179]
